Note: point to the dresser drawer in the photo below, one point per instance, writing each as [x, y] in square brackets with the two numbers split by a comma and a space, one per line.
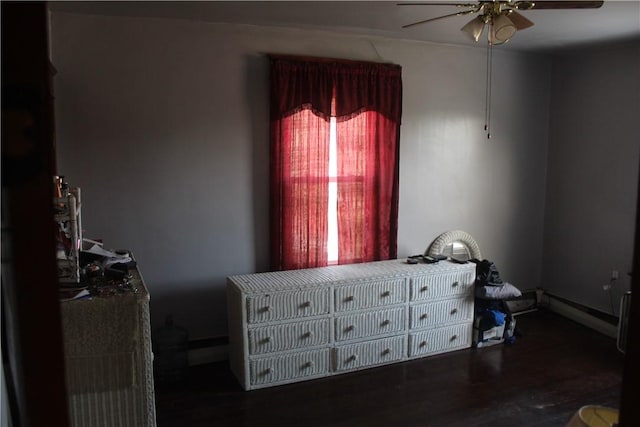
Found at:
[370, 353]
[290, 366]
[429, 287]
[287, 305]
[289, 336]
[440, 313]
[371, 323]
[440, 340]
[369, 295]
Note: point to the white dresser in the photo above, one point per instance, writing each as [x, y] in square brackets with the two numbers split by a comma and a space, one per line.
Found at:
[296, 325]
[108, 358]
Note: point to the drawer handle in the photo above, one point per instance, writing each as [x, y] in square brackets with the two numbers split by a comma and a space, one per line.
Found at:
[349, 328]
[308, 334]
[352, 358]
[266, 309]
[454, 311]
[386, 293]
[423, 344]
[349, 298]
[386, 351]
[424, 316]
[424, 289]
[309, 364]
[266, 340]
[267, 371]
[306, 304]
[454, 284]
[386, 322]
[453, 338]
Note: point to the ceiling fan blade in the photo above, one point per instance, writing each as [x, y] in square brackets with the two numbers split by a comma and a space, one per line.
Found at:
[570, 4]
[466, 12]
[518, 20]
[439, 4]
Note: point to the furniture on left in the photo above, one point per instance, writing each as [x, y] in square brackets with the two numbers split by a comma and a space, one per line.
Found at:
[108, 357]
[67, 209]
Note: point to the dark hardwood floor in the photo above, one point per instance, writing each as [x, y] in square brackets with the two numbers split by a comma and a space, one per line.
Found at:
[553, 369]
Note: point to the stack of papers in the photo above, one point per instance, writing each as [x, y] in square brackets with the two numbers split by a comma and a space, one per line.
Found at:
[69, 295]
[110, 257]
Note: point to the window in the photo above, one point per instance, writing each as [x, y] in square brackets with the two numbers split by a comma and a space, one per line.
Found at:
[334, 161]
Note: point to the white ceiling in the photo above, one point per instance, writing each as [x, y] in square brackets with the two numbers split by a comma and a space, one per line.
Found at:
[553, 29]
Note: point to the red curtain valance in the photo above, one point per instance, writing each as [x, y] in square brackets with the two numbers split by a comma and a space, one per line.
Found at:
[308, 83]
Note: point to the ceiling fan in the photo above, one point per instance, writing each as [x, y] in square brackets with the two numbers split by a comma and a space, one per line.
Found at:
[501, 16]
[504, 20]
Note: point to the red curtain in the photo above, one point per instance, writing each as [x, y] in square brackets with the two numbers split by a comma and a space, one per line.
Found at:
[299, 191]
[366, 99]
[367, 188]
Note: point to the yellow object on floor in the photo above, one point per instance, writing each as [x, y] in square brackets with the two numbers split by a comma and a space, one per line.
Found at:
[594, 416]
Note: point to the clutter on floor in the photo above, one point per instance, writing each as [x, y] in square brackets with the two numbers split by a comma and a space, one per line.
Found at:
[493, 320]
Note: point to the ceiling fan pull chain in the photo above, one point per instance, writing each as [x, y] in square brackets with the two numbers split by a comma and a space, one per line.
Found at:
[487, 107]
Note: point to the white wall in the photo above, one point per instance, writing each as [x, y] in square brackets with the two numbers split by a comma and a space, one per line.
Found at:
[164, 125]
[594, 150]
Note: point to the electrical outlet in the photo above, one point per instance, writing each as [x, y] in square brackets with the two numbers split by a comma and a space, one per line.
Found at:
[615, 275]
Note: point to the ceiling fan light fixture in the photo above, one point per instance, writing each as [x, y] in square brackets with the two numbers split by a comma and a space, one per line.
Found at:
[502, 29]
[474, 28]
[519, 20]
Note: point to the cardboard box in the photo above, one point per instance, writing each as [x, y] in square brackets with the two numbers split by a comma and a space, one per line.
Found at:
[487, 337]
